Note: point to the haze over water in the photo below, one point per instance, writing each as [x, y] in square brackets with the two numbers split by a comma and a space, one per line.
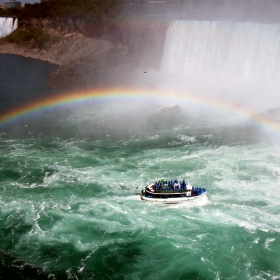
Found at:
[70, 207]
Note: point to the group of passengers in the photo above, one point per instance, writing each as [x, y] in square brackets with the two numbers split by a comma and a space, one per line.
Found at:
[170, 185]
[163, 185]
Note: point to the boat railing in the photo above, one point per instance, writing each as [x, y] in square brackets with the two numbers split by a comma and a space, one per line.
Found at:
[168, 191]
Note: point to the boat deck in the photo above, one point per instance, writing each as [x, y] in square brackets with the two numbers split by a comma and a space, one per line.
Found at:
[171, 194]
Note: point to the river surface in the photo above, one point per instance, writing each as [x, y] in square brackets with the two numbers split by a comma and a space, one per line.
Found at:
[70, 183]
[22, 80]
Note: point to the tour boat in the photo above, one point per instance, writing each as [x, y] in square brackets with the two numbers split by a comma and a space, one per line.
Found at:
[172, 192]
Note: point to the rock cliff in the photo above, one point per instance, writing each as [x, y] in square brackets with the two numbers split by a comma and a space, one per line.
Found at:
[97, 53]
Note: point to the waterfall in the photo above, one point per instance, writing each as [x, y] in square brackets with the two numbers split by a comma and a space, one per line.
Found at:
[7, 26]
[224, 56]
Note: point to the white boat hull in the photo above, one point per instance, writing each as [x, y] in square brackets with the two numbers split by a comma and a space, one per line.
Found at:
[173, 200]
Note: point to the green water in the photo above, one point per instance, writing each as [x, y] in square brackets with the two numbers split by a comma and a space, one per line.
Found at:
[69, 207]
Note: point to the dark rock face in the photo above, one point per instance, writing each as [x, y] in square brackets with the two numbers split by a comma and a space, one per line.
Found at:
[135, 44]
[166, 116]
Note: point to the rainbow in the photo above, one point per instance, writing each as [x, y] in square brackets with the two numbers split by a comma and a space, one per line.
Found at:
[134, 95]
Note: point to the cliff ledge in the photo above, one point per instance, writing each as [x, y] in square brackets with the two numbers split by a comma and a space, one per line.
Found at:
[94, 54]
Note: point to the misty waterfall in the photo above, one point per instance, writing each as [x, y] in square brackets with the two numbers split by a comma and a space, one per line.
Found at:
[235, 61]
[231, 50]
[7, 26]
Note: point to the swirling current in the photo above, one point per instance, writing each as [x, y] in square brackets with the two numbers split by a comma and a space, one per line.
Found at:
[70, 205]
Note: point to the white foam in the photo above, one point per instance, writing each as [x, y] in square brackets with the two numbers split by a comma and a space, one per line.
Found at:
[267, 242]
[190, 204]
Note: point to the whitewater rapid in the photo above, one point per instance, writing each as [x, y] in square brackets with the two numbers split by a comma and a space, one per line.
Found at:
[70, 205]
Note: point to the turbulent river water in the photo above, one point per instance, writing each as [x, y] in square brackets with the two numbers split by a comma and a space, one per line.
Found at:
[70, 183]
